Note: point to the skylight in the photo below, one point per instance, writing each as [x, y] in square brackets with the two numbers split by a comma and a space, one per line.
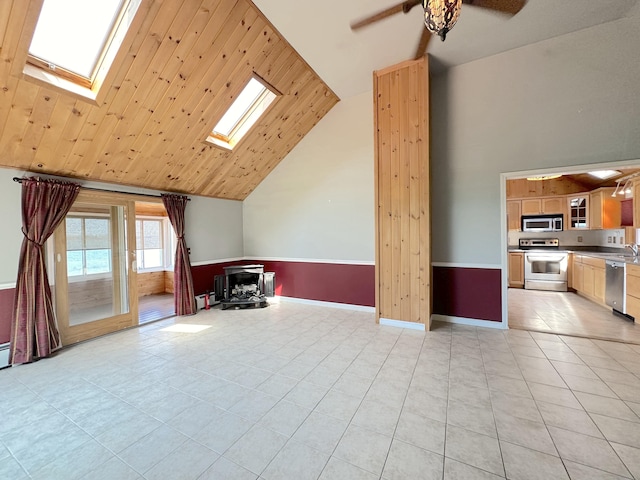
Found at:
[73, 38]
[604, 174]
[243, 113]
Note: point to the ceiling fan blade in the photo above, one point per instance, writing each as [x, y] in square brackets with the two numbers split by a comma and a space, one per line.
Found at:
[424, 43]
[510, 7]
[400, 7]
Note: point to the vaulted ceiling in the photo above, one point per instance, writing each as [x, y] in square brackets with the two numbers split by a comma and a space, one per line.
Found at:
[186, 60]
[184, 63]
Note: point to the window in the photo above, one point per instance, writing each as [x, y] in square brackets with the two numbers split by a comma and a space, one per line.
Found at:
[149, 244]
[77, 40]
[88, 245]
[243, 113]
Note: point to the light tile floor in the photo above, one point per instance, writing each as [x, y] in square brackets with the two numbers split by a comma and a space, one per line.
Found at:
[302, 392]
[568, 313]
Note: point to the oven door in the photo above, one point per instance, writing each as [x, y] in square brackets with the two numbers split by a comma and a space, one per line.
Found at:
[545, 271]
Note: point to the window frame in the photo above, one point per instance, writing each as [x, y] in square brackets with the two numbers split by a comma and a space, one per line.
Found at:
[81, 80]
[167, 240]
[84, 275]
[39, 71]
[229, 142]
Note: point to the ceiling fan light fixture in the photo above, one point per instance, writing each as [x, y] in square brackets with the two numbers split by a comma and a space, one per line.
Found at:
[441, 15]
[544, 177]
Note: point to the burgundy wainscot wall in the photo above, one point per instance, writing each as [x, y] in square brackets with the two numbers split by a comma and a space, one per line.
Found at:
[468, 292]
[6, 307]
[326, 282]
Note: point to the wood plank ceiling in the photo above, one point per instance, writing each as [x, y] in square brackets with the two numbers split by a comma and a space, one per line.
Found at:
[184, 64]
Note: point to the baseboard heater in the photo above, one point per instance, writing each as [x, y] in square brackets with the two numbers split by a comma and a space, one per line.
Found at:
[4, 355]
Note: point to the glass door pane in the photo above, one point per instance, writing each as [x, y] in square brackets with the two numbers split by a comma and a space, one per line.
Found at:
[93, 270]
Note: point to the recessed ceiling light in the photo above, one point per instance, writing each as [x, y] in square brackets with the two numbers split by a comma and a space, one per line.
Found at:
[604, 174]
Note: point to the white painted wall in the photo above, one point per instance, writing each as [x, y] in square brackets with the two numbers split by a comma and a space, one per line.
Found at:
[318, 203]
[571, 100]
[214, 229]
[11, 219]
[213, 226]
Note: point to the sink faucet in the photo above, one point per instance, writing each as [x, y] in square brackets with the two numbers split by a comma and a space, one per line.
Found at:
[633, 247]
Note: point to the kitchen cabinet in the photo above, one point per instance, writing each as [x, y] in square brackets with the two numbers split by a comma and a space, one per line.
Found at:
[515, 275]
[633, 290]
[543, 205]
[554, 205]
[578, 212]
[532, 206]
[578, 273]
[589, 277]
[636, 203]
[513, 214]
[604, 210]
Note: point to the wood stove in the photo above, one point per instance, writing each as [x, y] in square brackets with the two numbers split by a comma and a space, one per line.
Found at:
[244, 286]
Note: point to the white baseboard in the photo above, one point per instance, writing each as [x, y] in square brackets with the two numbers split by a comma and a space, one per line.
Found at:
[344, 306]
[469, 321]
[4, 355]
[402, 324]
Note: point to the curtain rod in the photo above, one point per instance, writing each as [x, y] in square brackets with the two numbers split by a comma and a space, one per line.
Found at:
[19, 180]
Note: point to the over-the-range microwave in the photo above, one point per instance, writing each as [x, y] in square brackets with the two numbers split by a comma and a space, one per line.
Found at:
[541, 223]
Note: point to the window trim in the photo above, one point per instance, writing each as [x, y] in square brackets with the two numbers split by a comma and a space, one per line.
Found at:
[84, 275]
[86, 82]
[228, 142]
[166, 241]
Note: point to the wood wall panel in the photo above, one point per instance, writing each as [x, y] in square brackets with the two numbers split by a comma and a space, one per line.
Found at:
[403, 257]
[181, 68]
[523, 188]
[168, 281]
[150, 209]
[150, 283]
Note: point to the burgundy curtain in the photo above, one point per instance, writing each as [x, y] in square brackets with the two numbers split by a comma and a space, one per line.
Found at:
[34, 333]
[183, 295]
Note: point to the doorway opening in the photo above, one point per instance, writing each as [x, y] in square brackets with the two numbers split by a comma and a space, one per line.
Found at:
[155, 252]
[113, 263]
[594, 228]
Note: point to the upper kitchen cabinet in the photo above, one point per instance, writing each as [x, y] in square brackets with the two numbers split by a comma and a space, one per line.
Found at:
[578, 208]
[604, 210]
[554, 205]
[531, 206]
[636, 203]
[513, 214]
[544, 205]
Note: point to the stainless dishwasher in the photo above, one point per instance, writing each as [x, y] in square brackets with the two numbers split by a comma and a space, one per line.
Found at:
[616, 286]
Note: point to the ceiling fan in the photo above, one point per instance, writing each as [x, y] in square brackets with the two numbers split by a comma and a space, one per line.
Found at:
[440, 15]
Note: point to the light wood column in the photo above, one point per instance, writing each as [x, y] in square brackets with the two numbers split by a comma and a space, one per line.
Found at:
[403, 233]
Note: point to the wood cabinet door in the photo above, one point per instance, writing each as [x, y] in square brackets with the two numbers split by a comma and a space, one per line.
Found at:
[633, 291]
[578, 276]
[636, 203]
[531, 206]
[513, 215]
[516, 270]
[554, 205]
[595, 210]
[588, 285]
